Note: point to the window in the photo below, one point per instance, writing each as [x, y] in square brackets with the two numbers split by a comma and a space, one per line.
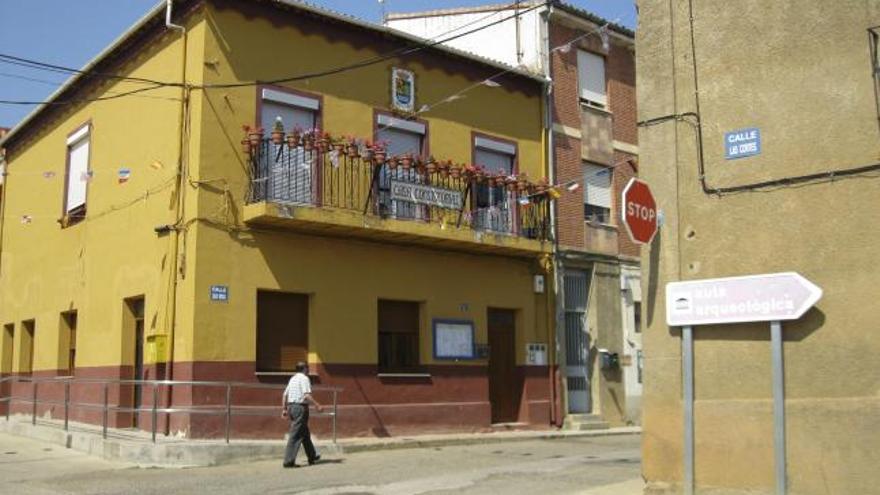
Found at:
[7, 343]
[282, 330]
[26, 348]
[67, 339]
[597, 193]
[286, 174]
[398, 336]
[494, 204]
[591, 79]
[78, 174]
[400, 137]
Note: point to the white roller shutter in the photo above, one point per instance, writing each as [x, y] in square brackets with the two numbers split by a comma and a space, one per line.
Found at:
[591, 78]
[597, 185]
[77, 171]
[291, 117]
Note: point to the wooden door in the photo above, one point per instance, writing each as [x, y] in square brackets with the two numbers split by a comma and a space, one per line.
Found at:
[502, 366]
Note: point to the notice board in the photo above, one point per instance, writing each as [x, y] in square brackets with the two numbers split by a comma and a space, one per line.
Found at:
[453, 339]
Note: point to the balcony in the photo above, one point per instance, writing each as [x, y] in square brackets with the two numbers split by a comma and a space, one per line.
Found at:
[337, 191]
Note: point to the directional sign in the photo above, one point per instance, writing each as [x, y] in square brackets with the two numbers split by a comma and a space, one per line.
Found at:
[639, 211]
[768, 297]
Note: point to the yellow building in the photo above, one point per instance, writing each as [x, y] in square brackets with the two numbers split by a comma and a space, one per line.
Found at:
[148, 236]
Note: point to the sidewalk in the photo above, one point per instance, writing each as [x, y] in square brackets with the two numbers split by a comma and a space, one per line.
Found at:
[136, 447]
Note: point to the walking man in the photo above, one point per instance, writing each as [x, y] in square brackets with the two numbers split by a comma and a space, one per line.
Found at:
[295, 405]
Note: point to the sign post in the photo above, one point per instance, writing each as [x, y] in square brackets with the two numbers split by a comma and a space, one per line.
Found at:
[639, 212]
[774, 297]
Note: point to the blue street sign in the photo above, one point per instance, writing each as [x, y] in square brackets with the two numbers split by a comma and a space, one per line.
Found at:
[219, 293]
[742, 143]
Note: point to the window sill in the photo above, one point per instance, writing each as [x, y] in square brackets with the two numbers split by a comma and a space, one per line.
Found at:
[601, 225]
[403, 375]
[588, 106]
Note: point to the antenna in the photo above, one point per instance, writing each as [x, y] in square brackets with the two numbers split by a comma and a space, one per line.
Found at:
[384, 15]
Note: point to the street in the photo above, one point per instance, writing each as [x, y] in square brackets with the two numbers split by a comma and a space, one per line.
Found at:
[599, 465]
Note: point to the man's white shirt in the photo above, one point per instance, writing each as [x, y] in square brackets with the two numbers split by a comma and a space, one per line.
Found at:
[297, 388]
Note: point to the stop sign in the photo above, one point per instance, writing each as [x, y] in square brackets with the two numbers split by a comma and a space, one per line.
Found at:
[639, 211]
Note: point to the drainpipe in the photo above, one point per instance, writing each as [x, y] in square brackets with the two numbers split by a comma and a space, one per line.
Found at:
[551, 176]
[168, 23]
[181, 189]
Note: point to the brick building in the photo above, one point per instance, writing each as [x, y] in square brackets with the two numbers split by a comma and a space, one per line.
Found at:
[593, 142]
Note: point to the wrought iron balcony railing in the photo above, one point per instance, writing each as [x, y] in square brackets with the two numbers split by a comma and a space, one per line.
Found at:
[336, 178]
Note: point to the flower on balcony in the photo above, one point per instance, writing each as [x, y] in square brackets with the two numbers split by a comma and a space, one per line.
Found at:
[254, 134]
[522, 181]
[431, 165]
[406, 160]
[353, 146]
[473, 171]
[278, 131]
[294, 137]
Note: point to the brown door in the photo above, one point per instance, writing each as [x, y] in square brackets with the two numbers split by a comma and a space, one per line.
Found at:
[135, 308]
[502, 366]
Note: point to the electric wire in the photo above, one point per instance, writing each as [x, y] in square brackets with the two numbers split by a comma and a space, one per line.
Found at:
[56, 83]
[35, 64]
[400, 52]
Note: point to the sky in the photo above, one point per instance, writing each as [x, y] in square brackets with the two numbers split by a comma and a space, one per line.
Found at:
[71, 32]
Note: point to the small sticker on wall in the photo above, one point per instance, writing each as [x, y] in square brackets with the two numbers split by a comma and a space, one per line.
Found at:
[48, 174]
[124, 175]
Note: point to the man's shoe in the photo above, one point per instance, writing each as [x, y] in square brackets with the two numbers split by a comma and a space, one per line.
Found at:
[315, 460]
[290, 465]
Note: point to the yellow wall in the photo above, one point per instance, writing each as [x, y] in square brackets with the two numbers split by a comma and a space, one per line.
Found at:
[813, 98]
[344, 277]
[114, 253]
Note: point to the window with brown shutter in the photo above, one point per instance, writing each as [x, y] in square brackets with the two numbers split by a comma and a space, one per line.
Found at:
[398, 337]
[282, 330]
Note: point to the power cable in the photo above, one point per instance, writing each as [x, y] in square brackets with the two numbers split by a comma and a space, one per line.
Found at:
[158, 84]
[57, 83]
[84, 100]
[35, 64]
[400, 52]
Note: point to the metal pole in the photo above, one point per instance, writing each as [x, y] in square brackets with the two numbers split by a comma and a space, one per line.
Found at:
[334, 415]
[687, 363]
[104, 423]
[778, 406]
[66, 404]
[34, 404]
[228, 409]
[155, 406]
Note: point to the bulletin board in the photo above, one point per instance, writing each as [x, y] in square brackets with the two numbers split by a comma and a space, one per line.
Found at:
[453, 339]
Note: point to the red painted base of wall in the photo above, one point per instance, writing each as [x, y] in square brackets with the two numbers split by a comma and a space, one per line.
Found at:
[451, 399]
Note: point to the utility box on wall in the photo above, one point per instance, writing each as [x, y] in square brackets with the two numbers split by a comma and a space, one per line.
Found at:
[157, 348]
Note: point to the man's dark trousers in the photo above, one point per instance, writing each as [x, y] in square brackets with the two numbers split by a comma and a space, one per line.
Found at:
[299, 433]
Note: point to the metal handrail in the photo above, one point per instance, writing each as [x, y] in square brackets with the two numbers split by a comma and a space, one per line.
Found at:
[228, 410]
